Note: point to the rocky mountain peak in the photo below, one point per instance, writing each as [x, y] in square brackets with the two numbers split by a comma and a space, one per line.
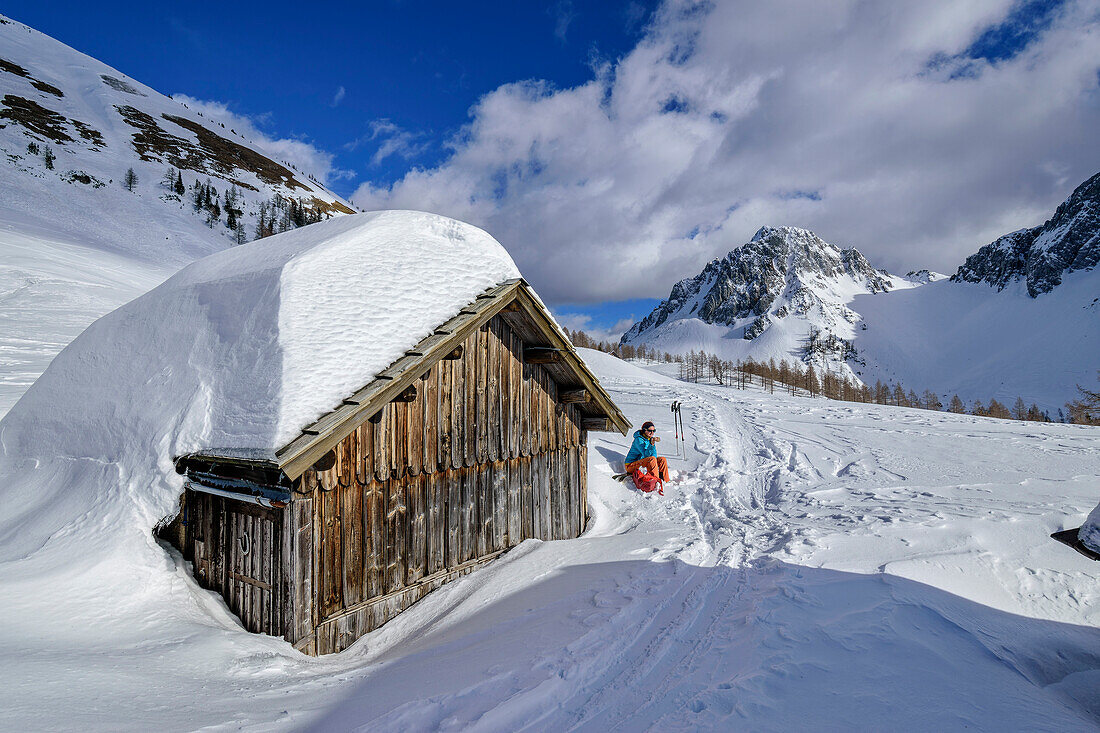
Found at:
[781, 271]
[1068, 241]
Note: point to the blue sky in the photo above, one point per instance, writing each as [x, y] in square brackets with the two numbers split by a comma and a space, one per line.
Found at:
[616, 147]
[418, 66]
[382, 86]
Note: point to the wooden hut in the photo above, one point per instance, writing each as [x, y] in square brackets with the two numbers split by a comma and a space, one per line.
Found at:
[473, 441]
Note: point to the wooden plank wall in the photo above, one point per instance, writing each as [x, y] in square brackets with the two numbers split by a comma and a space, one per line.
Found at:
[484, 407]
[236, 549]
[483, 458]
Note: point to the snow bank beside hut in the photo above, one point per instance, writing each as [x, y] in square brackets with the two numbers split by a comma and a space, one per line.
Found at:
[243, 348]
[1090, 530]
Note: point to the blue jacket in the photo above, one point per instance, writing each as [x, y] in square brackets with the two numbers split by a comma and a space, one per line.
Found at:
[641, 448]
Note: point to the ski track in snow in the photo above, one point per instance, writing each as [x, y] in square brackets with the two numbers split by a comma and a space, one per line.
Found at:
[814, 564]
[719, 628]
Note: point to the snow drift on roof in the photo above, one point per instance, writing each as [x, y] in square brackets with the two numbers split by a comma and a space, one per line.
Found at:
[241, 349]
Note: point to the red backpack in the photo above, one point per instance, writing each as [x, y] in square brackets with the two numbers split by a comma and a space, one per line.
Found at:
[647, 482]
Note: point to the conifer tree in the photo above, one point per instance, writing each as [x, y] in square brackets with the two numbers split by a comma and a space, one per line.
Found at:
[1085, 410]
[882, 392]
[1019, 409]
[179, 188]
[932, 402]
[130, 179]
[956, 405]
[812, 385]
[48, 156]
[261, 222]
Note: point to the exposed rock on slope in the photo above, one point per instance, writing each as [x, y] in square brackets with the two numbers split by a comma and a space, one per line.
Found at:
[783, 272]
[67, 119]
[1068, 241]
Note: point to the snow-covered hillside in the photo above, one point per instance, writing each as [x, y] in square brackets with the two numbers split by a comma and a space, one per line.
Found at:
[813, 564]
[74, 242]
[971, 340]
[764, 299]
[71, 127]
[51, 288]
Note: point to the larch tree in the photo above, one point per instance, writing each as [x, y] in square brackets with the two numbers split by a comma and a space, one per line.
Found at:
[932, 402]
[1019, 409]
[1085, 410]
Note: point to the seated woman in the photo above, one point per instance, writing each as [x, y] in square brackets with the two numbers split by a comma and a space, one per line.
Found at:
[643, 452]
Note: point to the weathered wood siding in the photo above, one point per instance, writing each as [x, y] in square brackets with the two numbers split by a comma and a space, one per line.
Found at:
[483, 458]
[236, 549]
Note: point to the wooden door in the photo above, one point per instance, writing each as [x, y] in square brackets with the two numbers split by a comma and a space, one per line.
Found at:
[236, 551]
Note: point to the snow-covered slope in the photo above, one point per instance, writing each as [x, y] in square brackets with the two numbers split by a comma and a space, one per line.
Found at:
[241, 349]
[71, 127]
[763, 299]
[968, 339]
[813, 564]
[51, 289]
[74, 242]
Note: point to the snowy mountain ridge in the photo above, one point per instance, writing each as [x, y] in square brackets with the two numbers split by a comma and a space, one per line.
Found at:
[781, 272]
[787, 294]
[72, 127]
[1042, 255]
[75, 242]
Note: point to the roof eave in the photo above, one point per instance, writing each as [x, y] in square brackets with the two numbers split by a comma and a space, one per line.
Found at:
[297, 456]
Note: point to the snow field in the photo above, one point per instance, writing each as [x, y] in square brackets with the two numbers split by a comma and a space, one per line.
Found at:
[51, 288]
[814, 565]
[784, 582]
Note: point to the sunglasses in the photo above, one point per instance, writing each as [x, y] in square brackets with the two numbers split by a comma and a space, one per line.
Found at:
[651, 430]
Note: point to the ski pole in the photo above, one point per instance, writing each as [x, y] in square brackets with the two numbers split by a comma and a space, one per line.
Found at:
[682, 433]
[675, 408]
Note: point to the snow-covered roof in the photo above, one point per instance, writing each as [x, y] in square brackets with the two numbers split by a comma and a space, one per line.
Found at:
[284, 329]
[242, 349]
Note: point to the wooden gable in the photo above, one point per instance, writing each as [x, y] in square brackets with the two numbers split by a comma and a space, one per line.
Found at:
[527, 318]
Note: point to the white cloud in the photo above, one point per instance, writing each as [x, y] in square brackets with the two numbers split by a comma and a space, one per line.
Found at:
[732, 115]
[563, 15]
[303, 155]
[583, 321]
[390, 139]
[339, 96]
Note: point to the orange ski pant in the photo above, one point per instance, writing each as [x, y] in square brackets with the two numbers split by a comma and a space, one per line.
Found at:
[656, 465]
